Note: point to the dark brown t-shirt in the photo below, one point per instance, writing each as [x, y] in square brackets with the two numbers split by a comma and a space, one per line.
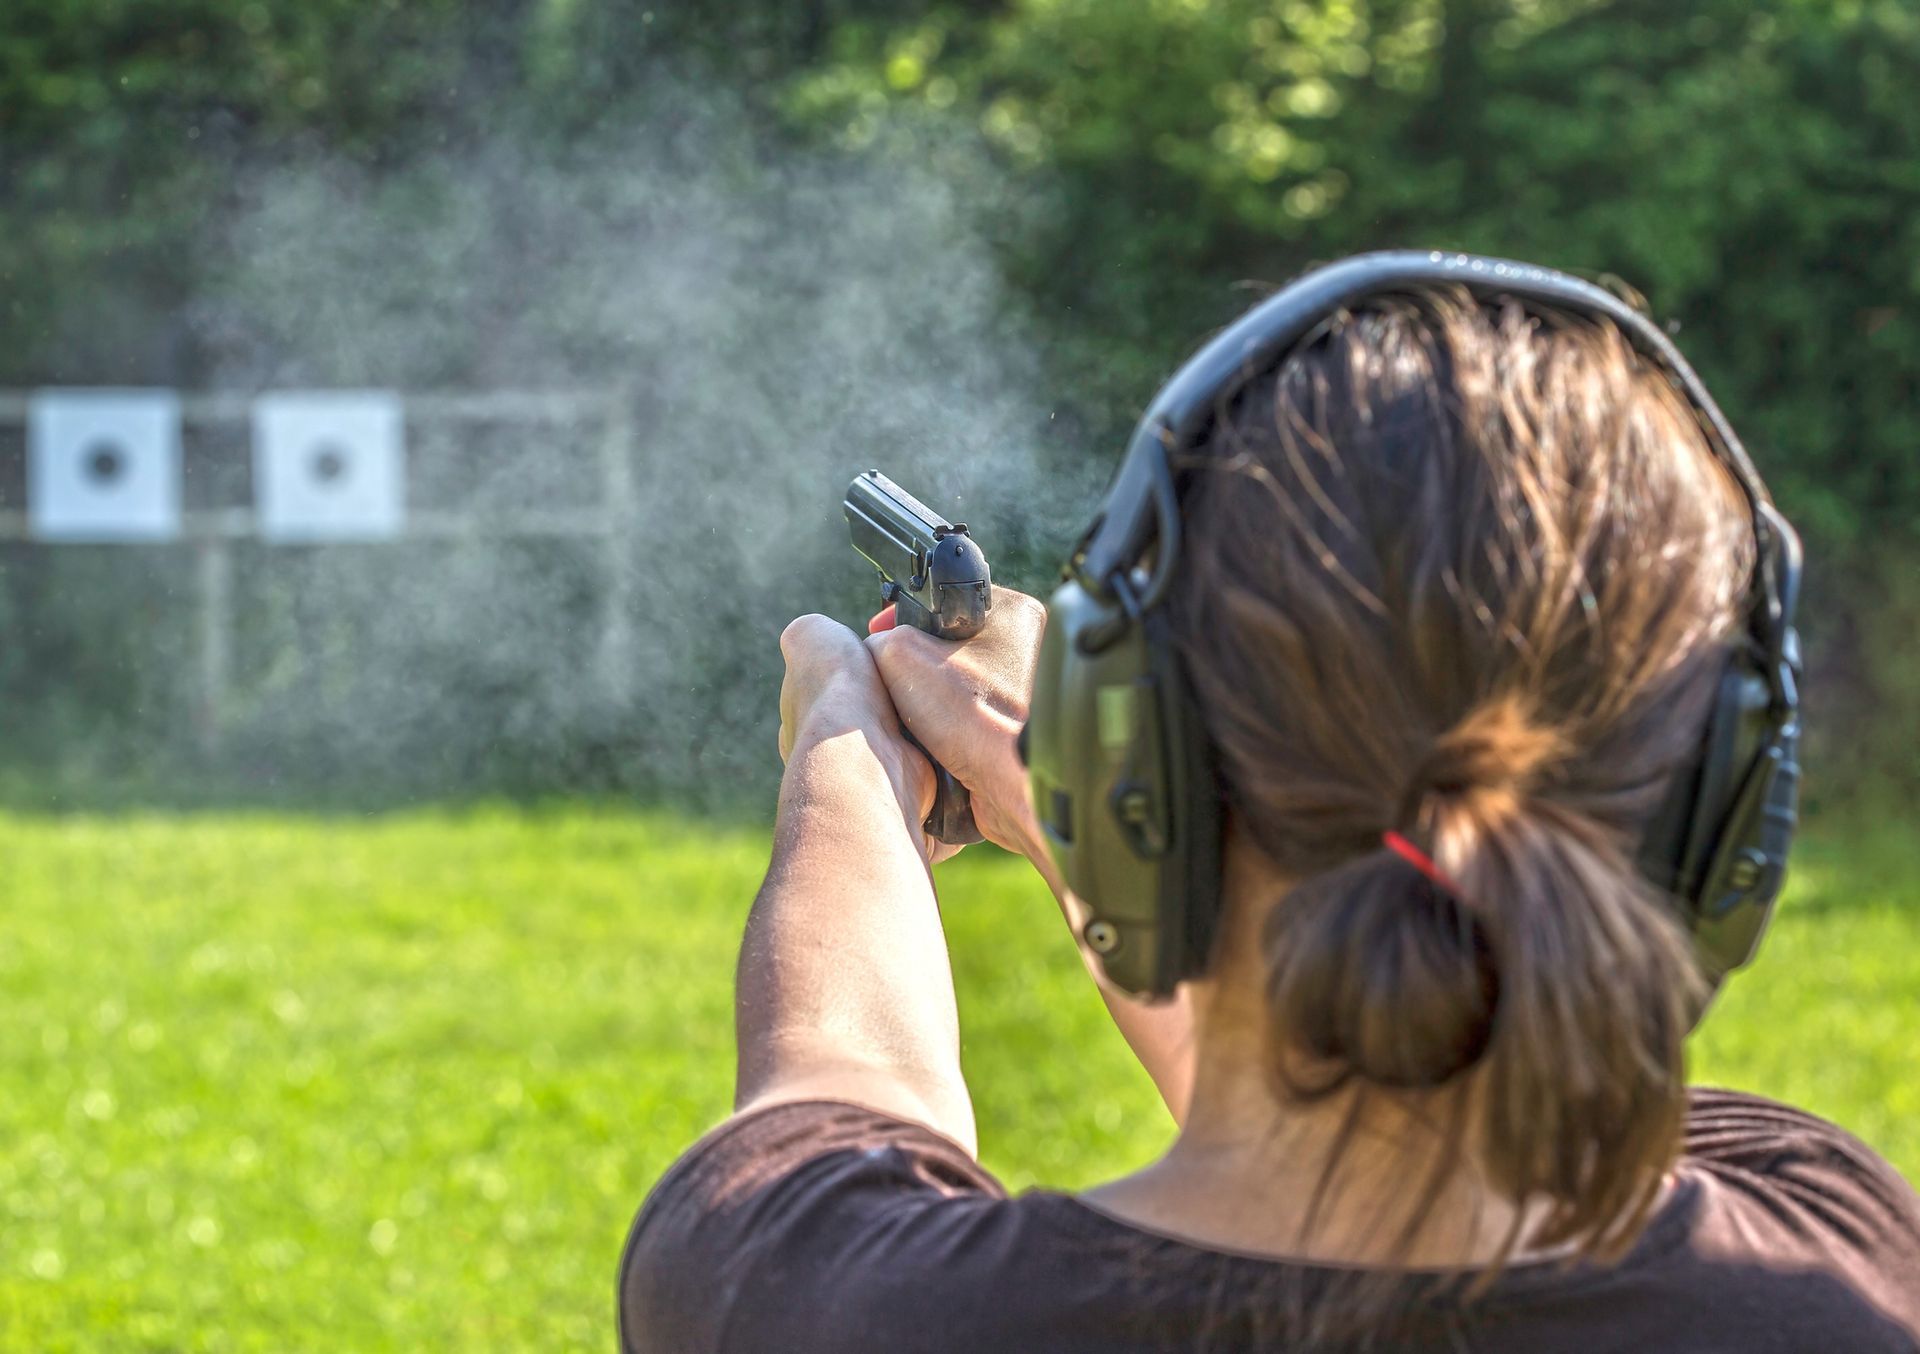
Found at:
[824, 1227]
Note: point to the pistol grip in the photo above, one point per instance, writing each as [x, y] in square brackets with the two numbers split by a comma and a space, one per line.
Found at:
[951, 818]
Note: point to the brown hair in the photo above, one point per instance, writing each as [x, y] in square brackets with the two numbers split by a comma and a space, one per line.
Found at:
[1467, 573]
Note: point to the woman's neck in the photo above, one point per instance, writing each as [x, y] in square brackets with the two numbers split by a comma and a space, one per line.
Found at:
[1351, 1178]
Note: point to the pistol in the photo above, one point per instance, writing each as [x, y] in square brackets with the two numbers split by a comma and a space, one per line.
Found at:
[935, 576]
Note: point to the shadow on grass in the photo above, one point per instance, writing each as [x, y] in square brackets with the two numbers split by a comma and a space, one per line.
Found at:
[57, 793]
[1850, 853]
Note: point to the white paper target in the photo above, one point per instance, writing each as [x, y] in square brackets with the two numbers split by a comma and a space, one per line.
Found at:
[104, 465]
[329, 465]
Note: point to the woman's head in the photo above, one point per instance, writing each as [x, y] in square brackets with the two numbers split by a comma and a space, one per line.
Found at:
[1466, 574]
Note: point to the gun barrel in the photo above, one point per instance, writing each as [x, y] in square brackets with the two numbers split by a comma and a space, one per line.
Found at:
[894, 530]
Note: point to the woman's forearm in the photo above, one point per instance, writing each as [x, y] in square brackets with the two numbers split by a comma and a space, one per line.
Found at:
[844, 986]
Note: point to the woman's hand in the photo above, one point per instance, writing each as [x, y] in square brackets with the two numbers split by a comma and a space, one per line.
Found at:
[966, 703]
[833, 689]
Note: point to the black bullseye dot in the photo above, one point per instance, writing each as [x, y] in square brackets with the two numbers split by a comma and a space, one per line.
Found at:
[329, 464]
[105, 463]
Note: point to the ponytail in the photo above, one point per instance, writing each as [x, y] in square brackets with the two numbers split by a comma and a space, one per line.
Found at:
[1531, 957]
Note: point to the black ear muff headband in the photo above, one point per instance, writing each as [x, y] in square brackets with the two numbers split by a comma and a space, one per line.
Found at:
[1122, 772]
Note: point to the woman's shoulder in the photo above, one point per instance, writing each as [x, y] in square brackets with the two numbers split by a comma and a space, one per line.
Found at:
[798, 1213]
[1796, 1196]
[1798, 1158]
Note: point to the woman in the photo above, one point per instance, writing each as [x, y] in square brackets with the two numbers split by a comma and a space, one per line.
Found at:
[1458, 585]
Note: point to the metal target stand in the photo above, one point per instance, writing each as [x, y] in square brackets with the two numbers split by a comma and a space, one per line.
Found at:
[212, 533]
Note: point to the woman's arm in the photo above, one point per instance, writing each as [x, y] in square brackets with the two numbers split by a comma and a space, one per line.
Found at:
[844, 990]
[966, 704]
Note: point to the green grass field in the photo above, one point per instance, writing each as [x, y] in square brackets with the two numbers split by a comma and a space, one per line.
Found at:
[294, 1083]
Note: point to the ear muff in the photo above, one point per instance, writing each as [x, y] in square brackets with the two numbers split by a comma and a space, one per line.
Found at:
[1123, 776]
[1719, 843]
[1124, 787]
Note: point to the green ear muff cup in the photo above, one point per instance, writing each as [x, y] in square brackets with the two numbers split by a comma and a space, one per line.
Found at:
[1124, 791]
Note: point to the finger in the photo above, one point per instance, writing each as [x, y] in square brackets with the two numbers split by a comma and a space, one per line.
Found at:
[884, 619]
[891, 647]
[1029, 612]
[794, 638]
[812, 639]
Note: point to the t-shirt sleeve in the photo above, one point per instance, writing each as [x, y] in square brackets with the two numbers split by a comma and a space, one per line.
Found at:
[1808, 1195]
[712, 1241]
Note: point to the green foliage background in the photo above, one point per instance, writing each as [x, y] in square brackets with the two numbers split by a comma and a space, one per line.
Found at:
[1753, 166]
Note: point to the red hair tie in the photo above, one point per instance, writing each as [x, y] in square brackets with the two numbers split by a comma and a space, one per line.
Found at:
[1422, 862]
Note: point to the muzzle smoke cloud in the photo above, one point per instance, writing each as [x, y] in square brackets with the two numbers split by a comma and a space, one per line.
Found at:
[776, 319]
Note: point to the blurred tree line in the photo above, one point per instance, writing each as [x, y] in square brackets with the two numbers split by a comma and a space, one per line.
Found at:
[1752, 166]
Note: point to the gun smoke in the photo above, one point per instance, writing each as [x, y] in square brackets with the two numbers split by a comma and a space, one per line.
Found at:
[773, 320]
